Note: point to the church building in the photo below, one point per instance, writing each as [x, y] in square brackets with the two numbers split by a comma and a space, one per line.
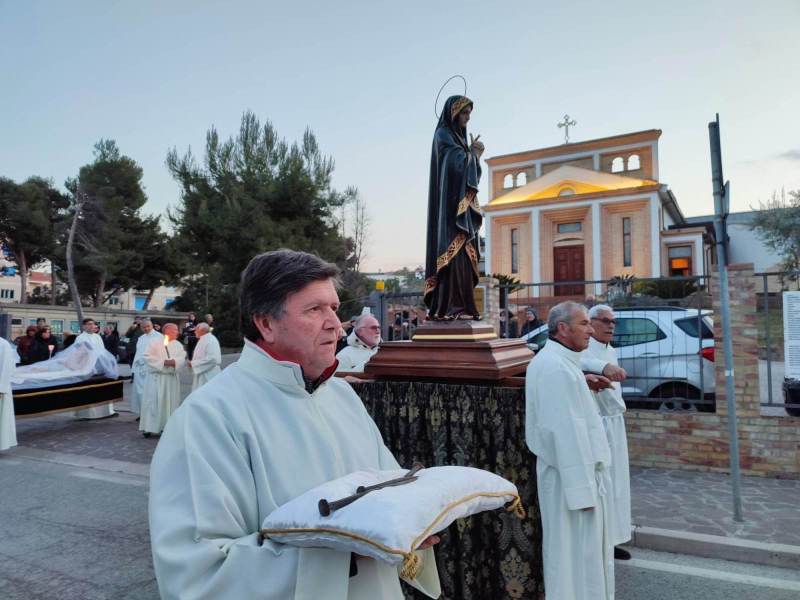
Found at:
[588, 211]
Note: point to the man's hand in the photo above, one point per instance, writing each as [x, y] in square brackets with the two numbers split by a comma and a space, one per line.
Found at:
[189, 364]
[170, 362]
[597, 383]
[614, 373]
[429, 542]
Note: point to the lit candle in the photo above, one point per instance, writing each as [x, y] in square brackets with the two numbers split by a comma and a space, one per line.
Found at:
[166, 346]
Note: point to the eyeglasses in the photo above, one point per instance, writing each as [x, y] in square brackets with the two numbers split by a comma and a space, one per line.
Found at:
[605, 320]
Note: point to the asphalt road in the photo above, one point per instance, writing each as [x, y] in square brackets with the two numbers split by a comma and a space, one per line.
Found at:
[70, 532]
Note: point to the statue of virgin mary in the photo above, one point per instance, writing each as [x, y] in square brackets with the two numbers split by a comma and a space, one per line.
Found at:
[454, 216]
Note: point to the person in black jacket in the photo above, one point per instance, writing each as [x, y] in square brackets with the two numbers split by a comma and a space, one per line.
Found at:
[531, 321]
[43, 346]
[111, 340]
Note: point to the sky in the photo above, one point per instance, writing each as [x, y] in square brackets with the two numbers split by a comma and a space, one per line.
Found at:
[364, 75]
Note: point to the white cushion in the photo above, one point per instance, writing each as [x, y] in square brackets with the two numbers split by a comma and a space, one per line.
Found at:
[390, 523]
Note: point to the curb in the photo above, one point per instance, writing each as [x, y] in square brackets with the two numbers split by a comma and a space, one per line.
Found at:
[716, 546]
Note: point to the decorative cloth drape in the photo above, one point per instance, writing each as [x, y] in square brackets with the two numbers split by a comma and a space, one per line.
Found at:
[488, 556]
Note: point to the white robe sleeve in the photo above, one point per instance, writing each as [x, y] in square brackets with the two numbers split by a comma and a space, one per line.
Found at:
[154, 357]
[427, 580]
[210, 355]
[204, 518]
[7, 365]
[178, 354]
[590, 364]
[562, 439]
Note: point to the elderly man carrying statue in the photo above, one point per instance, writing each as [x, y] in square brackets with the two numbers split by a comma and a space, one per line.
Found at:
[564, 430]
[454, 217]
[362, 344]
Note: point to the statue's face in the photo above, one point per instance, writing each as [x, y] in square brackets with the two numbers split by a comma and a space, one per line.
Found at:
[463, 117]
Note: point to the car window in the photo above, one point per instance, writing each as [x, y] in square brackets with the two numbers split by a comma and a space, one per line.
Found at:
[689, 327]
[631, 331]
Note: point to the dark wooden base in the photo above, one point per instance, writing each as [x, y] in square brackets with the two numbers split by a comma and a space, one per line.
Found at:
[464, 351]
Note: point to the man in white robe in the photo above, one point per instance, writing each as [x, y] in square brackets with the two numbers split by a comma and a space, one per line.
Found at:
[207, 356]
[90, 336]
[139, 366]
[8, 423]
[600, 357]
[164, 357]
[270, 427]
[563, 429]
[362, 344]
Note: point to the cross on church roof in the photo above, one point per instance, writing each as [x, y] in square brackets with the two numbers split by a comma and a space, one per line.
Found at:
[566, 125]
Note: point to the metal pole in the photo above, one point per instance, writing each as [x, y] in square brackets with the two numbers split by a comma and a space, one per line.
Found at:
[766, 337]
[720, 201]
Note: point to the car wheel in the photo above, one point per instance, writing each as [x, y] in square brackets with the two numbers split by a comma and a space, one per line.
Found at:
[678, 395]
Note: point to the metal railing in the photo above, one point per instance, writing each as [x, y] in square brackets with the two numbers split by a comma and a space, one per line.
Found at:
[779, 394]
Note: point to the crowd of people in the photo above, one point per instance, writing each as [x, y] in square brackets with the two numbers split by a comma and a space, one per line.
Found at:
[229, 453]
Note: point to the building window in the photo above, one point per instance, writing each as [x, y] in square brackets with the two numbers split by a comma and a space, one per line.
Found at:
[633, 162]
[7, 294]
[567, 191]
[522, 178]
[568, 227]
[74, 327]
[680, 261]
[114, 300]
[626, 242]
[515, 250]
[57, 326]
[617, 165]
[508, 181]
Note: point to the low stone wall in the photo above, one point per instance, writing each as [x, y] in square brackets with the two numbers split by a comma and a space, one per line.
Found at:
[768, 446]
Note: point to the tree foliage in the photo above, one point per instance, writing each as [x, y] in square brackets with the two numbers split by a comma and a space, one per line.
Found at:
[30, 214]
[777, 223]
[252, 193]
[116, 246]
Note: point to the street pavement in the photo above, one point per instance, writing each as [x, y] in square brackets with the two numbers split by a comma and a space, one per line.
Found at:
[73, 520]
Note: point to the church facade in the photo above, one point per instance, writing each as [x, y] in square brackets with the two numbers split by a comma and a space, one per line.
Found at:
[588, 211]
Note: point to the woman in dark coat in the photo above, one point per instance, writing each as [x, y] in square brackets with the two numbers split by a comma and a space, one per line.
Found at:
[454, 217]
[40, 348]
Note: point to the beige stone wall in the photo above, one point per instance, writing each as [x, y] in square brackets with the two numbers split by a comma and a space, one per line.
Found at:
[501, 245]
[499, 176]
[645, 170]
[768, 446]
[611, 216]
[584, 163]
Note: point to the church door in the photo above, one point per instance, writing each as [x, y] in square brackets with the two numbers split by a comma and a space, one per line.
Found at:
[568, 266]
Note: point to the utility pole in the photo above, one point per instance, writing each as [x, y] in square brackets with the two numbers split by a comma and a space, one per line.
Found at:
[721, 208]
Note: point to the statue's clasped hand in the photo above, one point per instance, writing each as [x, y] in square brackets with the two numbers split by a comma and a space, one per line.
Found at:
[476, 146]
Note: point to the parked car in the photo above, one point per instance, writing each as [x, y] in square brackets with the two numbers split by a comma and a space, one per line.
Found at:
[668, 352]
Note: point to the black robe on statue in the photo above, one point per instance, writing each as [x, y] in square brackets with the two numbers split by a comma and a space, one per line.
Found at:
[454, 218]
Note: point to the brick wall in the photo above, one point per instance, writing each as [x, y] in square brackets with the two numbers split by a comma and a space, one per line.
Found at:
[768, 446]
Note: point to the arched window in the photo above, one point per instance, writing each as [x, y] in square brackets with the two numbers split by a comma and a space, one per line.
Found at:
[566, 191]
[522, 178]
[633, 162]
[508, 181]
[617, 165]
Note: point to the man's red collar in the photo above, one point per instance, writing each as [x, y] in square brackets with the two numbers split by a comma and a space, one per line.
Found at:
[326, 374]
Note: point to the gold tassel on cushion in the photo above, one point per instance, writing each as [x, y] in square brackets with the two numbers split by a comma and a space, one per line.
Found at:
[516, 507]
[412, 564]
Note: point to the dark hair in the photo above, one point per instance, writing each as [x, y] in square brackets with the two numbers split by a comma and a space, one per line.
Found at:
[85, 321]
[269, 278]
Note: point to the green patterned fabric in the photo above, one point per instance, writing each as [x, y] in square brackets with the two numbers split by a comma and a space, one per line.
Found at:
[492, 555]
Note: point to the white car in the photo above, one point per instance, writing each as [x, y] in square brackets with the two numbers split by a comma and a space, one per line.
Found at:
[667, 352]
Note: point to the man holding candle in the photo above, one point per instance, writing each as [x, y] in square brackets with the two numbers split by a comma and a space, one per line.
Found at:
[162, 390]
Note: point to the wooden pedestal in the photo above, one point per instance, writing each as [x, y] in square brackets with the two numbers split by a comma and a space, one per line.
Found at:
[465, 351]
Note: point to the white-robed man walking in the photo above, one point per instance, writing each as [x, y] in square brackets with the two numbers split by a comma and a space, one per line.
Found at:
[139, 366]
[8, 424]
[600, 357]
[207, 356]
[90, 336]
[270, 427]
[563, 429]
[162, 389]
